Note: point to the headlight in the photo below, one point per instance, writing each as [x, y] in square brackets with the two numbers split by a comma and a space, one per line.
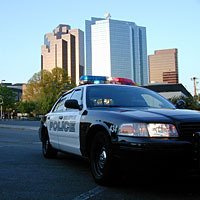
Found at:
[148, 130]
[135, 129]
[162, 130]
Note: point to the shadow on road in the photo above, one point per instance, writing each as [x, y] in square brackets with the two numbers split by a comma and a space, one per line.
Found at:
[158, 185]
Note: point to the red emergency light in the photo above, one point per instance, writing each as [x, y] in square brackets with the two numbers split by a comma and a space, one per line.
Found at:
[122, 81]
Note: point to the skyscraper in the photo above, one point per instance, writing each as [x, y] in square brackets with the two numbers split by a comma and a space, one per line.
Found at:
[163, 66]
[116, 48]
[64, 48]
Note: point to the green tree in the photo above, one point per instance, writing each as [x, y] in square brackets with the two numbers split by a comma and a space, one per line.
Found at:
[26, 107]
[191, 102]
[8, 98]
[45, 87]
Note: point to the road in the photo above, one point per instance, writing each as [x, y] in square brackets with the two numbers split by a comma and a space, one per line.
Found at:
[25, 174]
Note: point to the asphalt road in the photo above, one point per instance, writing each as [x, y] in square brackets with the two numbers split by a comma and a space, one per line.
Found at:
[25, 174]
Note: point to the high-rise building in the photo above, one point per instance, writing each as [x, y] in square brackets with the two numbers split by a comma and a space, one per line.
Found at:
[117, 49]
[64, 48]
[163, 66]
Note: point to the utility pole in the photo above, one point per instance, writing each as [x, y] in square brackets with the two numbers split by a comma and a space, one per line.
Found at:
[195, 85]
[1, 102]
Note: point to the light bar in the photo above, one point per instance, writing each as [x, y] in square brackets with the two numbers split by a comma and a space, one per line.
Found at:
[88, 79]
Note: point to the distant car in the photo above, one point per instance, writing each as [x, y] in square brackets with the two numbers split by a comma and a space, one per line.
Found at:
[108, 123]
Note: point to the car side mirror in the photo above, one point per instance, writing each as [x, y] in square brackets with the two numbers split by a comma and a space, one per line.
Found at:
[180, 104]
[72, 103]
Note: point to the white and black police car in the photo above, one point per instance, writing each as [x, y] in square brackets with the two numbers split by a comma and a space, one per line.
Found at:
[108, 123]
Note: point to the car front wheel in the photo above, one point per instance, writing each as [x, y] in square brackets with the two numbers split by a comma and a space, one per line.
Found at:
[47, 150]
[101, 158]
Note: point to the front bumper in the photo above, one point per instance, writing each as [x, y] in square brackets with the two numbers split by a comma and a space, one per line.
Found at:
[155, 153]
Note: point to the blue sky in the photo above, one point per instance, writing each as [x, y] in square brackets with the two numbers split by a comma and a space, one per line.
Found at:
[169, 24]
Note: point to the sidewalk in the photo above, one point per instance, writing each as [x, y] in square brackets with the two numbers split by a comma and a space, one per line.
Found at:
[20, 124]
[33, 128]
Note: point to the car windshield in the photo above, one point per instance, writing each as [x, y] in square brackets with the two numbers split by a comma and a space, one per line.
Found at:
[125, 96]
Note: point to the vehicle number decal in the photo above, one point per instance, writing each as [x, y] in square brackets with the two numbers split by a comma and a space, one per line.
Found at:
[113, 128]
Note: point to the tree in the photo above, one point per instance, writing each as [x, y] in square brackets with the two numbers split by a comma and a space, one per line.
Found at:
[45, 87]
[26, 107]
[8, 98]
[191, 102]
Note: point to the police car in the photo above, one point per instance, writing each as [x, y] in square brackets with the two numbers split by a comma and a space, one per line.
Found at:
[112, 123]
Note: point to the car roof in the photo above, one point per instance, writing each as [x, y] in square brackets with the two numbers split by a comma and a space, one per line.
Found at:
[102, 85]
[105, 85]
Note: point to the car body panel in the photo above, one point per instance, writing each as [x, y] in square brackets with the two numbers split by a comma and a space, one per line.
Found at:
[86, 122]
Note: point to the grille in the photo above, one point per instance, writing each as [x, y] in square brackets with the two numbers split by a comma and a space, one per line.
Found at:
[187, 130]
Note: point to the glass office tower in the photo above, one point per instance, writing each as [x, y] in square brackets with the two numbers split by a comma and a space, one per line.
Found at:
[116, 48]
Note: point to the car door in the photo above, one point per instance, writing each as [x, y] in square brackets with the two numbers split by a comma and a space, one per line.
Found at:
[69, 135]
[54, 120]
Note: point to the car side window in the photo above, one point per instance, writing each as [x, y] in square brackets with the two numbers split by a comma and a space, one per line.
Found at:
[60, 107]
[77, 94]
[152, 102]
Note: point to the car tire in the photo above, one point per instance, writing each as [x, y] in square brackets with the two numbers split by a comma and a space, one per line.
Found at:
[101, 159]
[47, 150]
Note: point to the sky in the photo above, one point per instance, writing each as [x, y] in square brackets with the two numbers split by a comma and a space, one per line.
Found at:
[169, 24]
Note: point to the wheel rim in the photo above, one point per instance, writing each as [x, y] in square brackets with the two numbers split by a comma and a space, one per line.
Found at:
[101, 157]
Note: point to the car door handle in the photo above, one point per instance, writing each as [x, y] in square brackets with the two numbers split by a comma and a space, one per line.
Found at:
[60, 117]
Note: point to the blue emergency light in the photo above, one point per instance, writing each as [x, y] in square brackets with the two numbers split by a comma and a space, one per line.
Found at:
[87, 79]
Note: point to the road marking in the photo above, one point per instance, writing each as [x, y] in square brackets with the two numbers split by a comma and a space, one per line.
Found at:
[91, 193]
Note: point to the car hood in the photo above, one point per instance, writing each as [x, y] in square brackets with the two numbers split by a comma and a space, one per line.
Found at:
[155, 115]
[181, 115]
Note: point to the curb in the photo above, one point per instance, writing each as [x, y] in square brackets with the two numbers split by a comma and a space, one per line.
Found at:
[32, 128]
